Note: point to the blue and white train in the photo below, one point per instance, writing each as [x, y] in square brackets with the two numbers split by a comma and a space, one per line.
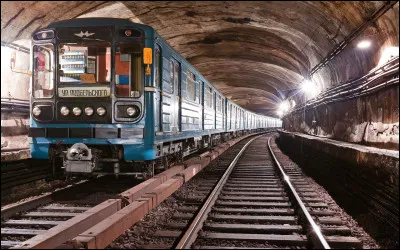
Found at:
[111, 96]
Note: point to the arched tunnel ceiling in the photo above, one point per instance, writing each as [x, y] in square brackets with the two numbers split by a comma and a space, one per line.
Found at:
[253, 52]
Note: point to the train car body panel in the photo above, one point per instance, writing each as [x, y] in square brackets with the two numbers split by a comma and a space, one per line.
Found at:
[107, 103]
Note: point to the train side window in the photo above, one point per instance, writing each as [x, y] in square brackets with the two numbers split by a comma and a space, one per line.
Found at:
[201, 86]
[219, 103]
[157, 66]
[209, 97]
[176, 74]
[172, 76]
[190, 86]
[214, 95]
[128, 70]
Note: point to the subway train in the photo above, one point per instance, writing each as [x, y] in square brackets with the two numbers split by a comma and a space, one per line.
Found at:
[109, 96]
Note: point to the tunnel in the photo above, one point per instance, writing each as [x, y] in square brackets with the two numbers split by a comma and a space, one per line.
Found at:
[321, 76]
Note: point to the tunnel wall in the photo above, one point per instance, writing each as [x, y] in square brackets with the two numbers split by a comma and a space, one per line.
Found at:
[353, 62]
[371, 120]
[14, 85]
[14, 94]
[363, 182]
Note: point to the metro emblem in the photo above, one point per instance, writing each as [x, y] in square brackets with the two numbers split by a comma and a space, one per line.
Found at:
[86, 34]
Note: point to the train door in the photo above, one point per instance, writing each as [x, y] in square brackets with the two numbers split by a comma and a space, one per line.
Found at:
[175, 72]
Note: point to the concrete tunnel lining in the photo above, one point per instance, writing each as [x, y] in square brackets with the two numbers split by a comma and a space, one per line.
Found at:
[299, 34]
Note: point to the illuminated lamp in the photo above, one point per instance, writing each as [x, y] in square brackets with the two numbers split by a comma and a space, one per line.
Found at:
[388, 54]
[128, 32]
[364, 44]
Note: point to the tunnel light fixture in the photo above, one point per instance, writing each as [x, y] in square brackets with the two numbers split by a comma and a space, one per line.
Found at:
[388, 54]
[309, 88]
[293, 103]
[284, 106]
[364, 44]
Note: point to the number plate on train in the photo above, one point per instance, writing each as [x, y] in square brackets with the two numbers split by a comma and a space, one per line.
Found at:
[84, 92]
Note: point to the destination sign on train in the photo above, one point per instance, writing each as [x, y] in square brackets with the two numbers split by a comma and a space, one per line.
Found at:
[84, 92]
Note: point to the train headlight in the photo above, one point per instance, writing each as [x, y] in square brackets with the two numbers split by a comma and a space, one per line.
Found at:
[36, 111]
[101, 111]
[89, 111]
[77, 111]
[64, 111]
[132, 111]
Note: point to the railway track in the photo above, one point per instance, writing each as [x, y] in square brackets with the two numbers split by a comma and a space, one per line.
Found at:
[243, 200]
[58, 219]
[22, 222]
[253, 205]
[21, 172]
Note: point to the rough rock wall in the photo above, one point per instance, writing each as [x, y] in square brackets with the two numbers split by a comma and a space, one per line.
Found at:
[364, 183]
[14, 85]
[14, 125]
[369, 120]
[255, 52]
[353, 62]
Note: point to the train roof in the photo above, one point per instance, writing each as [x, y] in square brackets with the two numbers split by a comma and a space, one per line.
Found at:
[95, 21]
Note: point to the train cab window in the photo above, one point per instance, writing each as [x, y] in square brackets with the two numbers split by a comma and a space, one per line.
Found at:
[209, 97]
[43, 71]
[190, 86]
[128, 70]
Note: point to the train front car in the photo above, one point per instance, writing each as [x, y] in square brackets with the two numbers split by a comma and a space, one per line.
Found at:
[88, 99]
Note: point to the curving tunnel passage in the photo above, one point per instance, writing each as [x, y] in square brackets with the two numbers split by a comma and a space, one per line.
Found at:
[264, 56]
[268, 46]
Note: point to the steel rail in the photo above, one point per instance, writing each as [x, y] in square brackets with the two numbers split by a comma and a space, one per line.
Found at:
[317, 238]
[11, 210]
[191, 233]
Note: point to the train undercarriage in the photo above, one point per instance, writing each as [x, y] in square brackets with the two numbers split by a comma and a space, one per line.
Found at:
[98, 160]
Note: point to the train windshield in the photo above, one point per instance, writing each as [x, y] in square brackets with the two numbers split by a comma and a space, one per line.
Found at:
[85, 63]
